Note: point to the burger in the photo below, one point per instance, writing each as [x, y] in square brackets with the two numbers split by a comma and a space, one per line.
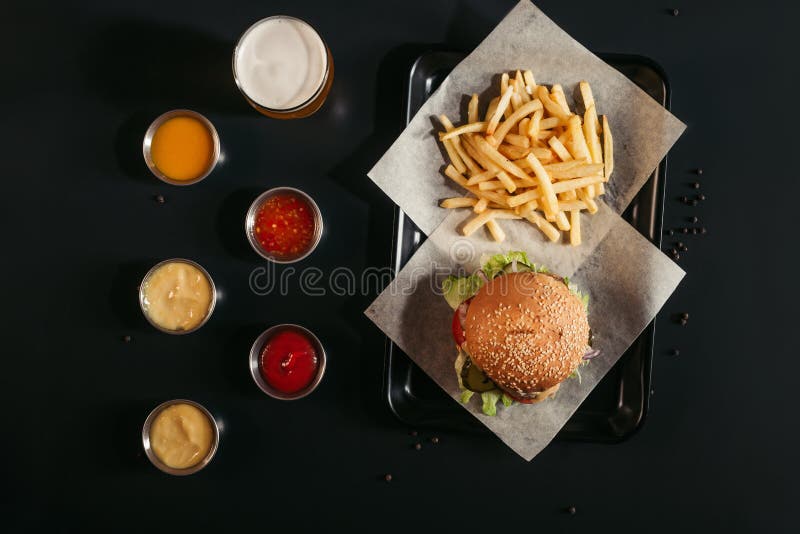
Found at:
[519, 330]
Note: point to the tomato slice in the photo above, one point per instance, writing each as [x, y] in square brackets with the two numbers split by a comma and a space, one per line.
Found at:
[458, 331]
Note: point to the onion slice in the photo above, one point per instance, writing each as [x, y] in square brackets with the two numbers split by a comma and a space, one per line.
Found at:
[591, 353]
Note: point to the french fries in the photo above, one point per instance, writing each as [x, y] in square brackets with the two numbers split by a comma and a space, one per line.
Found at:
[532, 157]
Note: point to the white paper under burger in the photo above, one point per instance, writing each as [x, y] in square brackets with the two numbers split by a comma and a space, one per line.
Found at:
[627, 278]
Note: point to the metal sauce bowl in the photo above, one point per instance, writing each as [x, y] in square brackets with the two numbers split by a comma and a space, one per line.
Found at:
[143, 306]
[151, 131]
[151, 455]
[252, 214]
[255, 361]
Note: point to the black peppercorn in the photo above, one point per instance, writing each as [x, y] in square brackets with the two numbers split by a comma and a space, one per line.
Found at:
[675, 12]
[676, 256]
[434, 440]
[684, 322]
[418, 446]
[685, 230]
[671, 232]
[571, 510]
[126, 339]
[703, 230]
[696, 185]
[695, 230]
[701, 196]
[684, 199]
[699, 171]
[387, 477]
[693, 202]
[685, 315]
[160, 199]
[695, 219]
[675, 352]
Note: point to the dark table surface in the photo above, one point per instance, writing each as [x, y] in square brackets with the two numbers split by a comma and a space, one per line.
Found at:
[80, 84]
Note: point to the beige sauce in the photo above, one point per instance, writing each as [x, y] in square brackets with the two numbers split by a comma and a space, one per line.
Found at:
[177, 296]
[181, 436]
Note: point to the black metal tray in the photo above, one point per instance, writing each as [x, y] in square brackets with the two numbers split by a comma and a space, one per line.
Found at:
[618, 405]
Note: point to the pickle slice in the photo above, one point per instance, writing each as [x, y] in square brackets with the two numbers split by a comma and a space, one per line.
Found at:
[474, 379]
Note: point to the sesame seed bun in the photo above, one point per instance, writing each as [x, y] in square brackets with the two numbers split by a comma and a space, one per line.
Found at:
[527, 332]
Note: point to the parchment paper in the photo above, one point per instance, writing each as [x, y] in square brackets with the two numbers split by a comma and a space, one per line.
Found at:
[627, 278]
[410, 171]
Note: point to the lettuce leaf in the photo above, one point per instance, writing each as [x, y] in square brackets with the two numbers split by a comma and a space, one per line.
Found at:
[507, 401]
[494, 265]
[466, 395]
[458, 289]
[461, 359]
[490, 399]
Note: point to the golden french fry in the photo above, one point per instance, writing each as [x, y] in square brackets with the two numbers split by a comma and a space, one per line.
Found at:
[586, 94]
[525, 110]
[490, 152]
[570, 205]
[549, 200]
[560, 150]
[492, 107]
[521, 89]
[461, 160]
[455, 159]
[530, 83]
[562, 222]
[575, 227]
[494, 229]
[523, 126]
[513, 152]
[591, 205]
[458, 202]
[570, 185]
[547, 229]
[482, 218]
[517, 140]
[458, 178]
[588, 100]
[566, 196]
[535, 124]
[472, 109]
[472, 149]
[577, 171]
[524, 198]
[549, 123]
[577, 145]
[484, 176]
[480, 205]
[516, 100]
[552, 107]
[461, 130]
[503, 83]
[608, 149]
[590, 132]
[558, 96]
[502, 105]
[507, 182]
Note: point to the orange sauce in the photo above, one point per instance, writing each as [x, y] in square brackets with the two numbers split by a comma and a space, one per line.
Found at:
[182, 148]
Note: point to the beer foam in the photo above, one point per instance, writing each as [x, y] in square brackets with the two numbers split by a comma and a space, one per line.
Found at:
[280, 62]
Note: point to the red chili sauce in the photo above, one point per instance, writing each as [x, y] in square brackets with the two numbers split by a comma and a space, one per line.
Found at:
[285, 225]
[288, 362]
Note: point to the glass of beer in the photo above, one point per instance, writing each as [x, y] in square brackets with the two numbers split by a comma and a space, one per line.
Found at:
[283, 67]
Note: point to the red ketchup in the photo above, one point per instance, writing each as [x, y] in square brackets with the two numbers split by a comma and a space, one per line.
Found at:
[285, 225]
[288, 362]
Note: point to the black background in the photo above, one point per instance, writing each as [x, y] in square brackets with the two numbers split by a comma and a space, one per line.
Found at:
[80, 84]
